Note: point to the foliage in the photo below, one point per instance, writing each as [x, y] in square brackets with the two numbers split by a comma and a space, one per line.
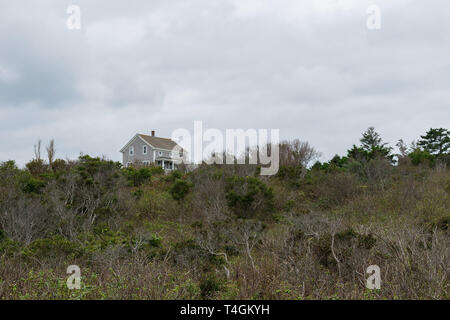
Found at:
[180, 189]
[435, 141]
[292, 174]
[221, 232]
[247, 196]
[420, 156]
[372, 147]
[137, 177]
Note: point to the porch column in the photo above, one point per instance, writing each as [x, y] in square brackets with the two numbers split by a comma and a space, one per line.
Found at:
[163, 165]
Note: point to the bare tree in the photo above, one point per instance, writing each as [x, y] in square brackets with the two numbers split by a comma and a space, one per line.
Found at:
[402, 147]
[37, 150]
[51, 152]
[297, 152]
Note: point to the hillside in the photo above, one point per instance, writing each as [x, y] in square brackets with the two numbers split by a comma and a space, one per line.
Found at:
[225, 232]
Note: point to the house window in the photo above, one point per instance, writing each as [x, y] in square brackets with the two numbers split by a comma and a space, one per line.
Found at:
[144, 150]
[160, 153]
[128, 164]
[181, 154]
[146, 162]
[131, 151]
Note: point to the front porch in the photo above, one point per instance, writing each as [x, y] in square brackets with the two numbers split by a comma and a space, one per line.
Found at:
[166, 163]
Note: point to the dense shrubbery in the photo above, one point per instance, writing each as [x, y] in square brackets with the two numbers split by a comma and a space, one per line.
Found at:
[248, 196]
[179, 189]
[225, 232]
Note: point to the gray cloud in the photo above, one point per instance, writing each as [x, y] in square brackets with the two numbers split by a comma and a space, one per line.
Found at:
[310, 68]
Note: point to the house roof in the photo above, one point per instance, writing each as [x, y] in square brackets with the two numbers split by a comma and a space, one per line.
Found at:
[159, 143]
[154, 142]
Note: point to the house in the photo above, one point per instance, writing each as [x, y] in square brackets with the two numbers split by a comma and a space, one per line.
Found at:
[145, 150]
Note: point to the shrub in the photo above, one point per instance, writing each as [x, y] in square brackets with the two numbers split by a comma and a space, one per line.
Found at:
[59, 165]
[247, 196]
[180, 189]
[292, 174]
[53, 247]
[36, 167]
[156, 170]
[419, 156]
[210, 285]
[137, 177]
[174, 175]
[33, 186]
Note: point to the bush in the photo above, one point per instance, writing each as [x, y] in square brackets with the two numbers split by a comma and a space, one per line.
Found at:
[247, 196]
[419, 156]
[33, 186]
[155, 203]
[59, 165]
[292, 174]
[210, 285]
[53, 247]
[37, 167]
[174, 175]
[137, 177]
[156, 170]
[180, 189]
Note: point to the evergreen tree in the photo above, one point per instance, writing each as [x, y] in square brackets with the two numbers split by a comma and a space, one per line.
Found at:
[372, 146]
[436, 141]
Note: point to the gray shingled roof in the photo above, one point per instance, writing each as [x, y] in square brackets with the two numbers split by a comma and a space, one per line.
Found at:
[160, 143]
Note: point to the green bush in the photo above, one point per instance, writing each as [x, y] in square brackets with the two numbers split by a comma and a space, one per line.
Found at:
[53, 247]
[156, 170]
[247, 196]
[37, 167]
[137, 177]
[174, 175]
[292, 174]
[33, 186]
[155, 241]
[9, 247]
[419, 156]
[180, 189]
[210, 285]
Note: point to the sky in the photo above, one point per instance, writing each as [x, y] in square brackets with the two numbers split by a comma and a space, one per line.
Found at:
[312, 69]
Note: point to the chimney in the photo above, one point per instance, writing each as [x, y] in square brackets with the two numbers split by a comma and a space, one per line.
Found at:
[153, 133]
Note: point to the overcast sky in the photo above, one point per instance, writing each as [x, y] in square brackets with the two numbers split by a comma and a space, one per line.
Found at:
[309, 68]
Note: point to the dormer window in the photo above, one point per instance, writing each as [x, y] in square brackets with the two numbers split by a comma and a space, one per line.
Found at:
[160, 153]
[131, 151]
[144, 150]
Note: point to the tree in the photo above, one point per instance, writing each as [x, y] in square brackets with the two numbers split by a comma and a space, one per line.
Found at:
[371, 139]
[436, 141]
[372, 147]
[37, 150]
[296, 152]
[402, 147]
[51, 152]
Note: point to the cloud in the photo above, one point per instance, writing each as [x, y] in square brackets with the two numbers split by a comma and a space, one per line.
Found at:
[310, 68]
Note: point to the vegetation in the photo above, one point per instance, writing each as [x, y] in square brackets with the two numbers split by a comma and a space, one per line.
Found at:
[224, 232]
